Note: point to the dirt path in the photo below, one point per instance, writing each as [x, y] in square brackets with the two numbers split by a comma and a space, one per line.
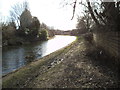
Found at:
[71, 68]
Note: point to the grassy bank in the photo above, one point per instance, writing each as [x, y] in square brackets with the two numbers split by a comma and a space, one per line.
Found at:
[20, 77]
[76, 66]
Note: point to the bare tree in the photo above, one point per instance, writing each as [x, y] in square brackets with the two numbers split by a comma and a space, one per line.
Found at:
[85, 21]
[92, 13]
[17, 10]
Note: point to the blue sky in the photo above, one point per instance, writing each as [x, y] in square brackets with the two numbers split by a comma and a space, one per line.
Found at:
[50, 12]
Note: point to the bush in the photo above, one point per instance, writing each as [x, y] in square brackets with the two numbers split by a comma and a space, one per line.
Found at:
[43, 35]
[88, 37]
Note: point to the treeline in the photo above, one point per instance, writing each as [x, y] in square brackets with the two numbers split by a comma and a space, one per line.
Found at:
[97, 16]
[23, 28]
[101, 21]
[73, 32]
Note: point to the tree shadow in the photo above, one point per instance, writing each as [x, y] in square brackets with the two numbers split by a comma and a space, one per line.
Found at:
[99, 57]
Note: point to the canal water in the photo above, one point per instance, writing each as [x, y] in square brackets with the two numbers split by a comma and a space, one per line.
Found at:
[18, 56]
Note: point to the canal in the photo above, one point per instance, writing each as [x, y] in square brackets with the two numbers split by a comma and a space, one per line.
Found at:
[18, 56]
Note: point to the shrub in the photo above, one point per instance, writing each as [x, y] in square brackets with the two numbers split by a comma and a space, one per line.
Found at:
[43, 35]
[88, 37]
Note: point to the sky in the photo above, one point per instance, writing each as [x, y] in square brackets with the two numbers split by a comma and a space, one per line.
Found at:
[51, 12]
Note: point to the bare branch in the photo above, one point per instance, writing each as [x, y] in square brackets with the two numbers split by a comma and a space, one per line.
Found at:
[83, 4]
[99, 16]
[92, 13]
[17, 10]
[74, 8]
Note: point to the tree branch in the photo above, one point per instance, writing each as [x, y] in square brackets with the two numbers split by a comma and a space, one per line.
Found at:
[74, 8]
[92, 13]
[99, 16]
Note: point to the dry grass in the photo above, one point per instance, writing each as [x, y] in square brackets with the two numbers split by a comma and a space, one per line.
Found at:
[76, 66]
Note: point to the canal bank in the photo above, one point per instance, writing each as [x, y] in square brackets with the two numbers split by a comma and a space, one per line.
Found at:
[69, 67]
[15, 57]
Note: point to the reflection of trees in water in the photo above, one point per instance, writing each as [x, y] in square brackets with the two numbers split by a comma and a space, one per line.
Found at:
[36, 52]
[12, 59]
[18, 56]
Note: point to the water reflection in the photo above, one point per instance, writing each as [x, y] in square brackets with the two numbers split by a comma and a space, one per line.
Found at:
[15, 57]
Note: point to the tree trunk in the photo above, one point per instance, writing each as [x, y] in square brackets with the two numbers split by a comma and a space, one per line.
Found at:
[92, 13]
